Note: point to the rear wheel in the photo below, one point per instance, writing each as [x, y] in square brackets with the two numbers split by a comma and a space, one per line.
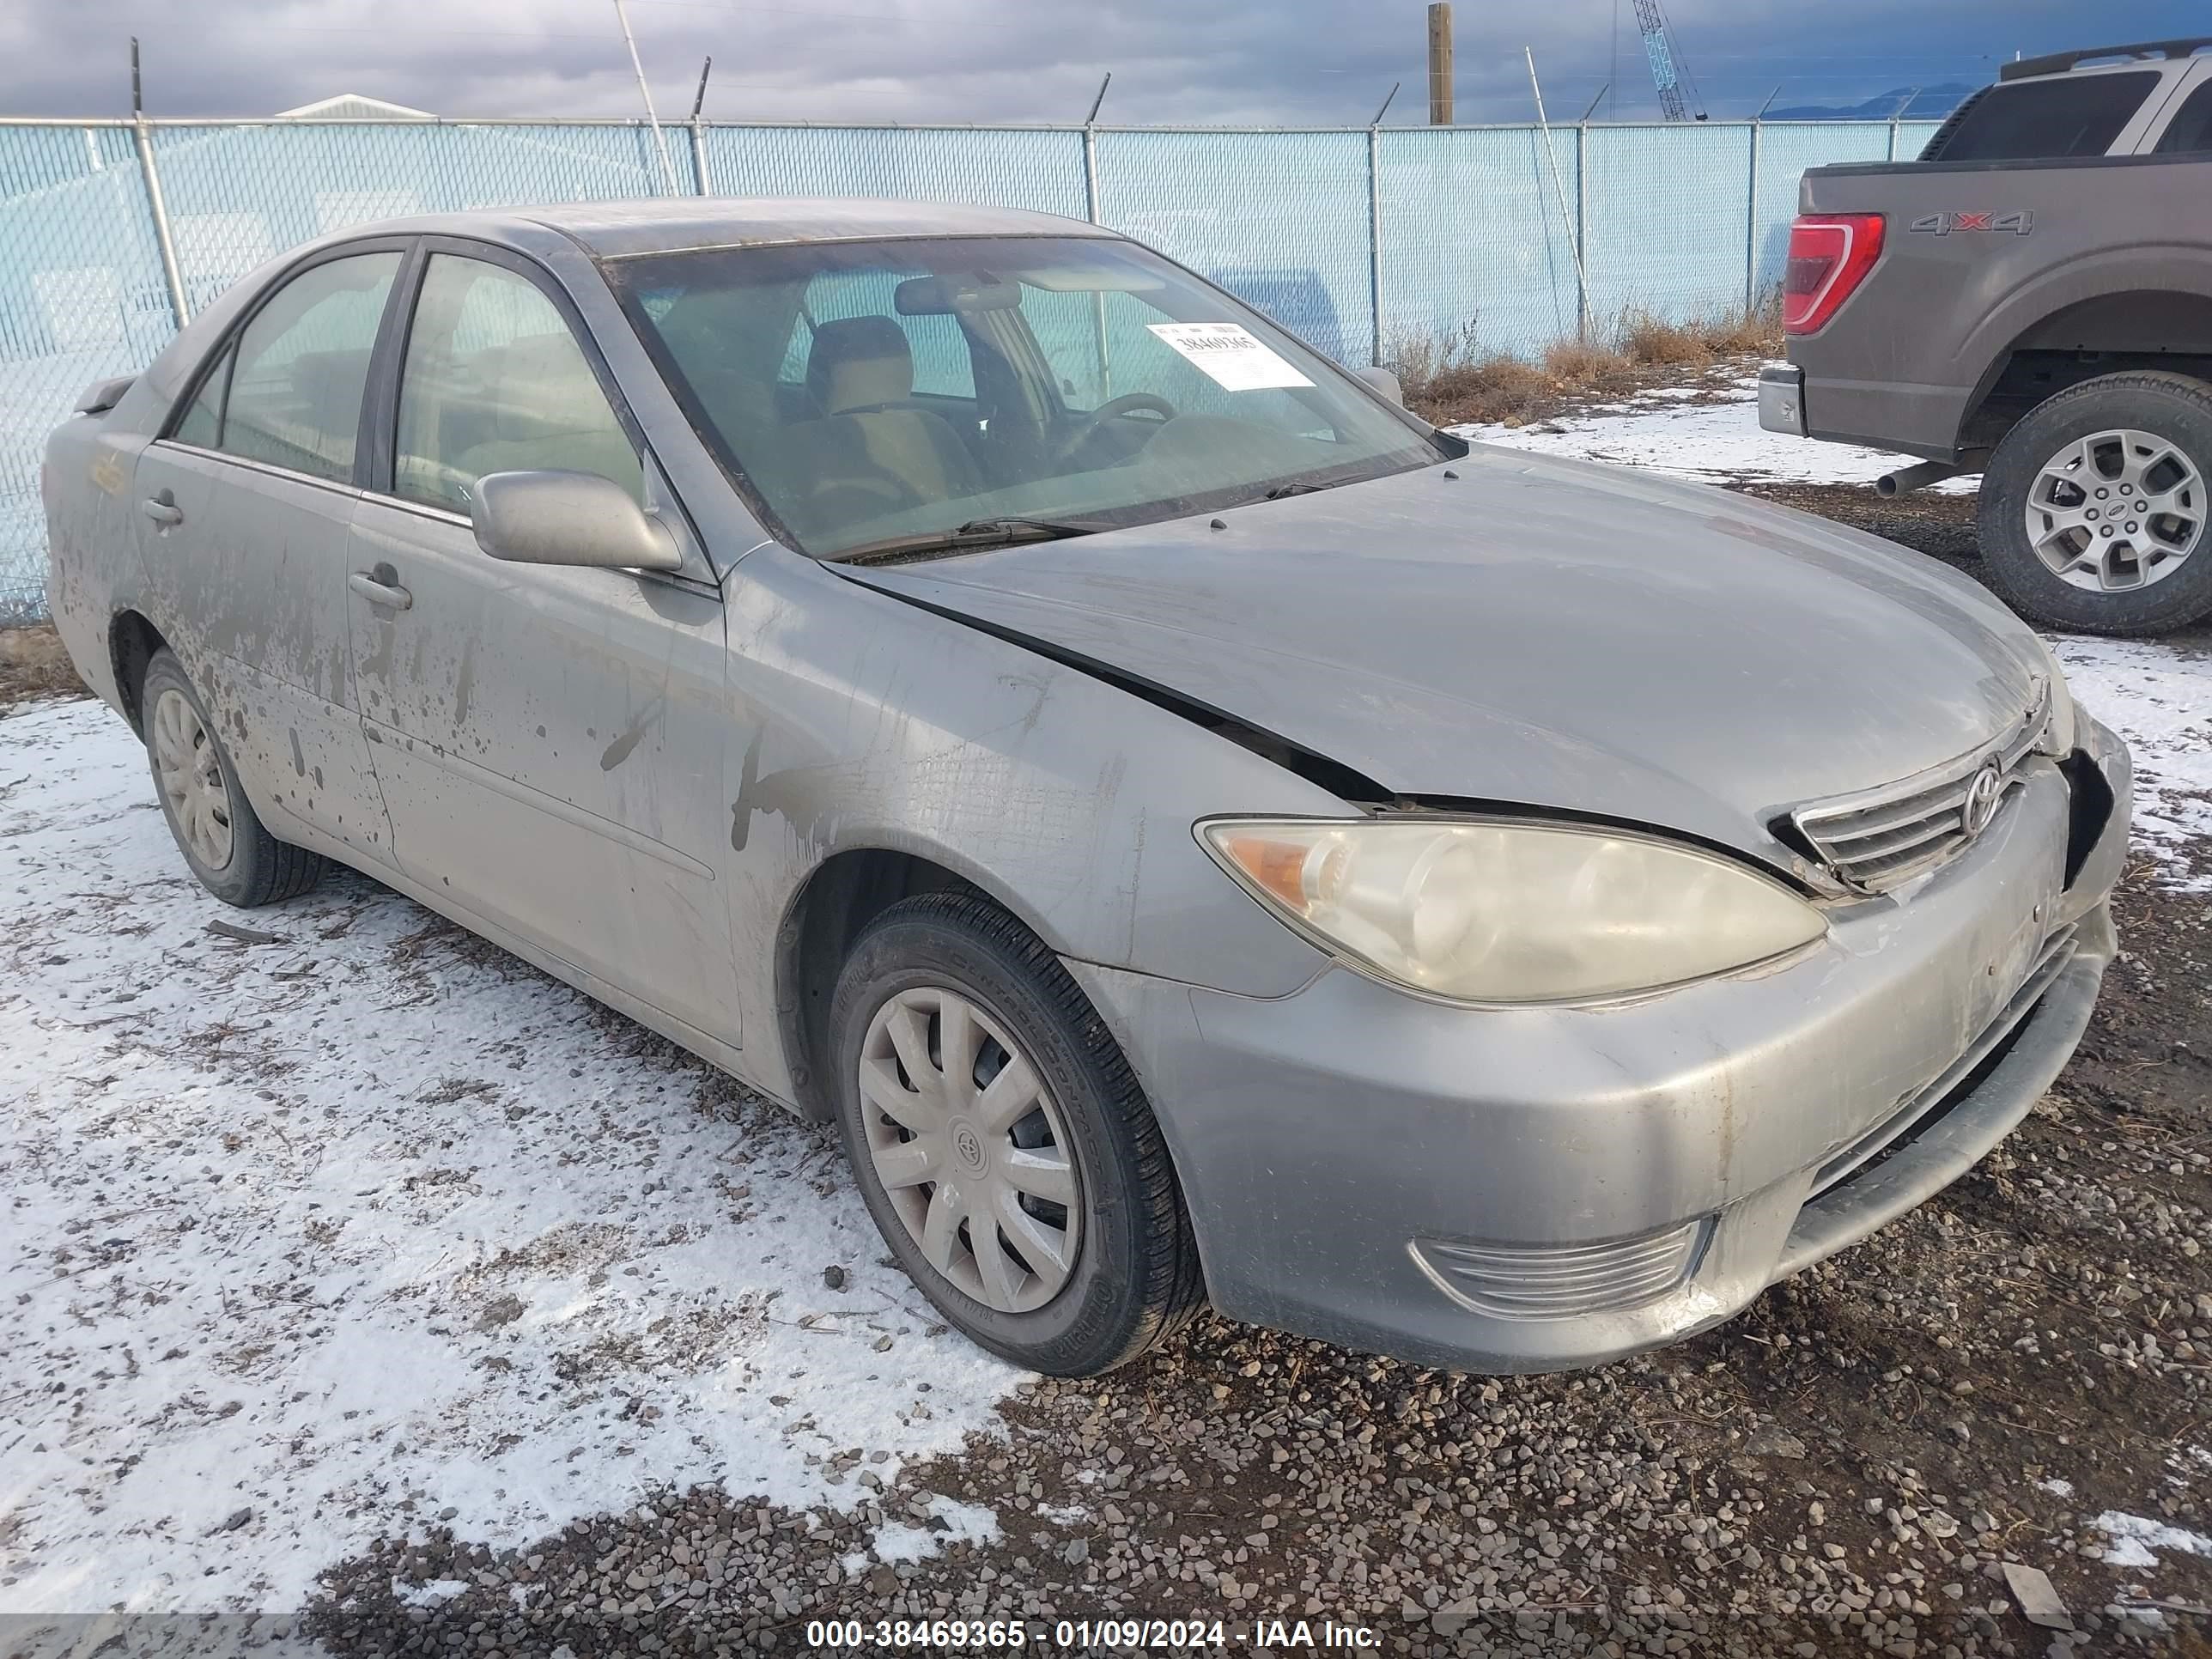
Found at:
[216, 828]
[2093, 509]
[1002, 1144]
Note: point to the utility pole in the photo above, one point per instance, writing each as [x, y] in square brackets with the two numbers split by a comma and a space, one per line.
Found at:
[1440, 63]
[659, 138]
[1559, 195]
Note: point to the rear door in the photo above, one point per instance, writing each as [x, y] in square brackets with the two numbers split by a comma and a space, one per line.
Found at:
[245, 504]
[550, 741]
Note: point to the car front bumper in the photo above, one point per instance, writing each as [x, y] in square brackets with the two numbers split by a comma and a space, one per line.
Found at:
[1782, 398]
[1541, 1188]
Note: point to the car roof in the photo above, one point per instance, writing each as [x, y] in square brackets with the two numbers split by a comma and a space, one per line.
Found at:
[612, 230]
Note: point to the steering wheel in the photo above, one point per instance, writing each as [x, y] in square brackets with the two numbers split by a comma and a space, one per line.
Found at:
[1113, 409]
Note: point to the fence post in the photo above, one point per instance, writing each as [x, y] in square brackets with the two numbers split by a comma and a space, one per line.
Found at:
[1375, 238]
[152, 176]
[698, 136]
[699, 158]
[1750, 223]
[1090, 212]
[1582, 222]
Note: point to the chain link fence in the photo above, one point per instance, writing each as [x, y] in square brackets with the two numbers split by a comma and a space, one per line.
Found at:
[111, 231]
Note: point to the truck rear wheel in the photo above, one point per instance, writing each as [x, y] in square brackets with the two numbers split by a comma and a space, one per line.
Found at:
[2093, 509]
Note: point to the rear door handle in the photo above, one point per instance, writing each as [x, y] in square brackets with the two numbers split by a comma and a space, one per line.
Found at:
[389, 594]
[162, 511]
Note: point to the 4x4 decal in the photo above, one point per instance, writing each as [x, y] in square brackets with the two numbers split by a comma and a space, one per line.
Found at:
[1942, 224]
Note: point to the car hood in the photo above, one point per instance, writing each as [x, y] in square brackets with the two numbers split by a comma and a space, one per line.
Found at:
[1536, 632]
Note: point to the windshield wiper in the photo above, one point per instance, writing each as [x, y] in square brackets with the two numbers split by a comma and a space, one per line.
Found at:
[976, 533]
[1282, 490]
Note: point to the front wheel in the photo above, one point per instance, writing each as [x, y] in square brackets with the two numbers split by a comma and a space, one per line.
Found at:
[1002, 1144]
[2093, 509]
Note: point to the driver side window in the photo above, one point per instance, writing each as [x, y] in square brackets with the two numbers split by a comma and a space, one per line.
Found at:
[493, 381]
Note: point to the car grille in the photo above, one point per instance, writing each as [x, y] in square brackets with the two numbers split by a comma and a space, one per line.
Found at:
[1923, 1107]
[1880, 838]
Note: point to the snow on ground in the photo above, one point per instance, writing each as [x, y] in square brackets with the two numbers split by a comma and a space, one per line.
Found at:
[309, 1242]
[2156, 694]
[1706, 442]
[2137, 1540]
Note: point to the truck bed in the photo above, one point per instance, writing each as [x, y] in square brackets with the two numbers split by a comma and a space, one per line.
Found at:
[1982, 261]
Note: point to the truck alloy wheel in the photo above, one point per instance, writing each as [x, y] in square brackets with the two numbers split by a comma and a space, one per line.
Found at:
[2093, 510]
[2116, 510]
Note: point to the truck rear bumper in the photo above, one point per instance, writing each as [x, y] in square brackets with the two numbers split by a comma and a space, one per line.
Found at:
[1782, 398]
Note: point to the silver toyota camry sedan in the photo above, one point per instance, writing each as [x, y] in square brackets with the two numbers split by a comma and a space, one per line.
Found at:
[1199, 833]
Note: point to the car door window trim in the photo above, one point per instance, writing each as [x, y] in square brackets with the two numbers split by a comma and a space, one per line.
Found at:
[335, 486]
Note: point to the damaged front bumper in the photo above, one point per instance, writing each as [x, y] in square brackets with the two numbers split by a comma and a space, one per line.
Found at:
[1545, 1188]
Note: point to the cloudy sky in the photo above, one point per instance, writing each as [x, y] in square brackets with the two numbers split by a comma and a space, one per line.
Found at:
[1320, 62]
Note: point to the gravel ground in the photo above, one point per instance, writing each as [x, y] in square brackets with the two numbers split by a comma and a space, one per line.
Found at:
[1847, 1467]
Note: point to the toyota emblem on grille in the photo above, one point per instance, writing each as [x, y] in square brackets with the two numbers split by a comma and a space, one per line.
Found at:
[1981, 803]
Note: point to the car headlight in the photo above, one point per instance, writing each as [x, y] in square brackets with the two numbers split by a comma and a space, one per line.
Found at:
[1493, 911]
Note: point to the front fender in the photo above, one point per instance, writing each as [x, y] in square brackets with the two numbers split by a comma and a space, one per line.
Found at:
[860, 721]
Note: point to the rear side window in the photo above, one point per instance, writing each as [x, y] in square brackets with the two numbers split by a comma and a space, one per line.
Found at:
[2190, 129]
[2048, 119]
[297, 373]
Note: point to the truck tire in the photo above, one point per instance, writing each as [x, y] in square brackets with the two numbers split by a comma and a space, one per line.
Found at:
[2062, 528]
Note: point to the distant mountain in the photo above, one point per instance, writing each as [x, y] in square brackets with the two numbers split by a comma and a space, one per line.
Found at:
[1929, 104]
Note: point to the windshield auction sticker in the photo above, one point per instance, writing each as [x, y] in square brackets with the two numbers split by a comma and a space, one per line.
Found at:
[1228, 354]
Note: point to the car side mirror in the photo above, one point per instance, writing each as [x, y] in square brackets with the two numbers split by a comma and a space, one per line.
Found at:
[568, 518]
[1382, 380]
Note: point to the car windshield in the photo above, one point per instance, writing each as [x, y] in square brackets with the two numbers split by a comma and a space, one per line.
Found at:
[882, 397]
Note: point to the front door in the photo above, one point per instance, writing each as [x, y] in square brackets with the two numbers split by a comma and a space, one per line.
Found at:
[549, 740]
[244, 506]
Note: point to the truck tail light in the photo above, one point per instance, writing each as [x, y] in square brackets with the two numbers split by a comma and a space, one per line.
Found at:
[1829, 256]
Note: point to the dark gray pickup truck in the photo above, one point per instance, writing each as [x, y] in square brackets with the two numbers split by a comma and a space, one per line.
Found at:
[2032, 299]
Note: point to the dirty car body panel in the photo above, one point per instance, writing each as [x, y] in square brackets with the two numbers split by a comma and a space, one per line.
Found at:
[646, 780]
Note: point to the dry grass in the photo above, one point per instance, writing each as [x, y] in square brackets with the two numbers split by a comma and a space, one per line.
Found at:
[1454, 379]
[1655, 344]
[33, 664]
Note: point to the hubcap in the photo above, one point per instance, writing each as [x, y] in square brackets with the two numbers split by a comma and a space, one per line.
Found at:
[191, 777]
[970, 1146]
[2116, 510]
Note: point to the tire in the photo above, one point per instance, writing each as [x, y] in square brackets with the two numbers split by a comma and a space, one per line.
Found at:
[2171, 571]
[215, 826]
[1131, 1266]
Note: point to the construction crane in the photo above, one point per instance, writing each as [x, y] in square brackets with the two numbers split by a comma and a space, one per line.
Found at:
[1651, 22]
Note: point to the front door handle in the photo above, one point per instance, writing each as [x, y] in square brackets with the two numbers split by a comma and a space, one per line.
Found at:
[162, 510]
[381, 586]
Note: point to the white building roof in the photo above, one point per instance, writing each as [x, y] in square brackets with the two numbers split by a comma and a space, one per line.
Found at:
[354, 106]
